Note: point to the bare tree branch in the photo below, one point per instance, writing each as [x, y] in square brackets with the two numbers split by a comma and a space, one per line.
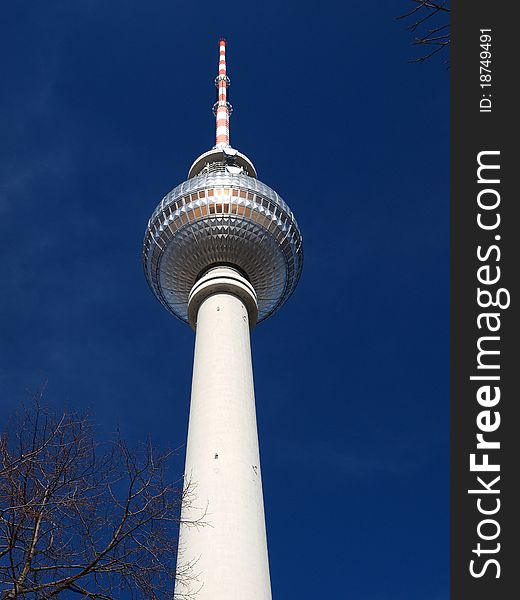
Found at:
[80, 518]
[436, 13]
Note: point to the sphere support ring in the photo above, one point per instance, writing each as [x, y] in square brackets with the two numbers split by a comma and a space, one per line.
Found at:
[222, 279]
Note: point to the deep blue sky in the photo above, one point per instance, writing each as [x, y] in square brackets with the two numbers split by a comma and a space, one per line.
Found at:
[352, 374]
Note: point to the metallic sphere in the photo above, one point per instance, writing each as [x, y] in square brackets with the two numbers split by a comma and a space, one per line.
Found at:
[222, 215]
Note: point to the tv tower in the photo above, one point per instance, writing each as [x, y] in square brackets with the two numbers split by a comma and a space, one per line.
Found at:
[222, 252]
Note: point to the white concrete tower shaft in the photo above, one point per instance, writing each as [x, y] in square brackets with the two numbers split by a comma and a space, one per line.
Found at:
[227, 550]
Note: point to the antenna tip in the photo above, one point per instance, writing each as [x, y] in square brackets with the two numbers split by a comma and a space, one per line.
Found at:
[222, 41]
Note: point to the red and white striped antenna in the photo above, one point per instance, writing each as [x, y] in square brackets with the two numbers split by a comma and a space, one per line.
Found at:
[222, 109]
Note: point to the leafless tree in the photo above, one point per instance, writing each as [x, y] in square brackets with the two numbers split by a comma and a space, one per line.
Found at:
[80, 519]
[430, 26]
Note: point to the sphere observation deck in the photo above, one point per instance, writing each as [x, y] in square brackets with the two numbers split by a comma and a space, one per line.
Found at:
[222, 215]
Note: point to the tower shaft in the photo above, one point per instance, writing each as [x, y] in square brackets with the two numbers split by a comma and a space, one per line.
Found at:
[227, 549]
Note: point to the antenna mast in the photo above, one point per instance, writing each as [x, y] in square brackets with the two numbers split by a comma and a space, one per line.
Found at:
[222, 109]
